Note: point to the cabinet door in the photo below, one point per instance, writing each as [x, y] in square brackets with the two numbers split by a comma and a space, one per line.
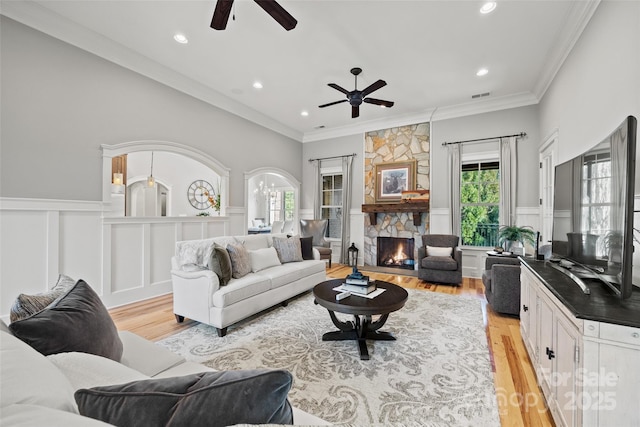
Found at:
[565, 351]
[545, 342]
[525, 305]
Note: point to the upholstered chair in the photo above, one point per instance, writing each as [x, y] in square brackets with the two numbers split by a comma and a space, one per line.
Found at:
[440, 259]
[501, 279]
[276, 227]
[317, 228]
[288, 226]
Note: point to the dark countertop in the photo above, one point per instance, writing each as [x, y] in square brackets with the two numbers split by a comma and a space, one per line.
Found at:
[602, 305]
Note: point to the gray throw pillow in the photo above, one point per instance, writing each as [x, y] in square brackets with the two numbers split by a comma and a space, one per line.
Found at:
[77, 321]
[289, 250]
[220, 264]
[27, 305]
[306, 244]
[240, 262]
[204, 399]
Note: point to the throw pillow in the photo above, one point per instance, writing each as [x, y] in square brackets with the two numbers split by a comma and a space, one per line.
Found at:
[220, 264]
[84, 370]
[240, 263]
[289, 250]
[306, 244]
[77, 321]
[438, 251]
[27, 305]
[251, 397]
[263, 258]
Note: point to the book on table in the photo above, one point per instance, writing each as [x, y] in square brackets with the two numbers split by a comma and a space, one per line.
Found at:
[359, 289]
[364, 280]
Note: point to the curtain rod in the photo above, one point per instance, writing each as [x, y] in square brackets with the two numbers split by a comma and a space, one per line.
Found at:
[333, 157]
[521, 134]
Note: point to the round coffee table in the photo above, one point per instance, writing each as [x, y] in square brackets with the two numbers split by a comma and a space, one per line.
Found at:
[361, 328]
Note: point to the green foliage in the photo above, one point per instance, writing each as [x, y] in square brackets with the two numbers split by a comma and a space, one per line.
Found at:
[514, 233]
[479, 197]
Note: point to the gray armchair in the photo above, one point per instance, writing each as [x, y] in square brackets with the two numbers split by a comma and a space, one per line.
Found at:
[317, 228]
[501, 279]
[440, 267]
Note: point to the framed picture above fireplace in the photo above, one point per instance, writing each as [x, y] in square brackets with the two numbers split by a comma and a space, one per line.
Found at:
[392, 179]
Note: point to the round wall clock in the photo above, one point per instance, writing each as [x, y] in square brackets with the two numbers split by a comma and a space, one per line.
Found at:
[198, 194]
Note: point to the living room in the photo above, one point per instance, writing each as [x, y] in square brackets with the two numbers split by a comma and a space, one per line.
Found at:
[61, 103]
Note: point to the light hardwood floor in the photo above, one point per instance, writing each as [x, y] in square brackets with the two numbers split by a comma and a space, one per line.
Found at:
[520, 401]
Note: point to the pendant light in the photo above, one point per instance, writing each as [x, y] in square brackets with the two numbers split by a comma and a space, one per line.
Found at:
[151, 182]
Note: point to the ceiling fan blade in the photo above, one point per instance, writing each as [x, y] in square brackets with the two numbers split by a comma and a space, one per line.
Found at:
[221, 14]
[278, 13]
[332, 103]
[373, 87]
[382, 102]
[341, 89]
[355, 111]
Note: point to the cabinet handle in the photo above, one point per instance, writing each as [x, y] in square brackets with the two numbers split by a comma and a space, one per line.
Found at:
[525, 308]
[550, 353]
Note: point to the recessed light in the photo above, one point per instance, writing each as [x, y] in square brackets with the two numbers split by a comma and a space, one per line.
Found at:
[482, 72]
[181, 38]
[304, 113]
[257, 85]
[488, 7]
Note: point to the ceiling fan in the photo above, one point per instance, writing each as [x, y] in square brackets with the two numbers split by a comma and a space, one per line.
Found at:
[357, 97]
[277, 12]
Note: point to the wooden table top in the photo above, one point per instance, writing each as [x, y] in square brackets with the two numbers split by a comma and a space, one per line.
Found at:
[392, 299]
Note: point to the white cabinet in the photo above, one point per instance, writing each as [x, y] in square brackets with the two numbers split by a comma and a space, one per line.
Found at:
[589, 371]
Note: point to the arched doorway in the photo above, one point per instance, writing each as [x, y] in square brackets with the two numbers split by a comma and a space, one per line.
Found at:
[272, 194]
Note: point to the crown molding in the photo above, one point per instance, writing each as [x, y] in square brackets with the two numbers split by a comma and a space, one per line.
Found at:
[577, 20]
[42, 19]
[487, 105]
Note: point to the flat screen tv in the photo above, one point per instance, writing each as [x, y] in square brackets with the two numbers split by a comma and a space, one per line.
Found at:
[593, 211]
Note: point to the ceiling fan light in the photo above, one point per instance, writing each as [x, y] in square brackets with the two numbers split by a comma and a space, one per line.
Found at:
[304, 113]
[488, 7]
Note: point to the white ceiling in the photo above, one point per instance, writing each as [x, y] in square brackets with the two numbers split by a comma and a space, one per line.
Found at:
[428, 52]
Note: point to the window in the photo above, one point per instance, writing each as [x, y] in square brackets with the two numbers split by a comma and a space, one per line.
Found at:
[480, 203]
[331, 206]
[275, 206]
[289, 205]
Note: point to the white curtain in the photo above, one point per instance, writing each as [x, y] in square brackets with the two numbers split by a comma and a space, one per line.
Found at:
[347, 163]
[317, 192]
[508, 175]
[455, 166]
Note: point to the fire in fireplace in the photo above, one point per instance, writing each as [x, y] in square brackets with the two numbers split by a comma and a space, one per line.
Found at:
[395, 252]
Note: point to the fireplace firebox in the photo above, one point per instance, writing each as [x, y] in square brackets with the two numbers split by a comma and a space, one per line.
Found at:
[395, 252]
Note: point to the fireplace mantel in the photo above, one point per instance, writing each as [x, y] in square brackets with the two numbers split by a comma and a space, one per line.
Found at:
[414, 207]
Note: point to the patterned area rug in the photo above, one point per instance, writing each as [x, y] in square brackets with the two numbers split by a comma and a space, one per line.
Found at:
[436, 373]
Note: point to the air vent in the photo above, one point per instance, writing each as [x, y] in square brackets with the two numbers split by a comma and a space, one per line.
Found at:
[480, 95]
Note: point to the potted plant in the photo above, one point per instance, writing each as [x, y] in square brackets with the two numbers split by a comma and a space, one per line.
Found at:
[510, 234]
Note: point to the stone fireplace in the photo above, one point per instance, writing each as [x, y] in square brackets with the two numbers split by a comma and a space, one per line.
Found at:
[395, 252]
[399, 144]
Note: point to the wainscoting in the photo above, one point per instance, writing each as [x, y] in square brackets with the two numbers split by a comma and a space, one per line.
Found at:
[123, 259]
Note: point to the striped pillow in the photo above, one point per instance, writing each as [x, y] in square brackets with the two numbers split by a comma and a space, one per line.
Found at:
[289, 250]
[27, 305]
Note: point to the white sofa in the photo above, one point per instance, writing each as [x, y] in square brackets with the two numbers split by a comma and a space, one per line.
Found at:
[197, 295]
[39, 391]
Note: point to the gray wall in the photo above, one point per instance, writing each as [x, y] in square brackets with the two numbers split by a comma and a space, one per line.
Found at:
[333, 147]
[487, 125]
[59, 103]
[599, 83]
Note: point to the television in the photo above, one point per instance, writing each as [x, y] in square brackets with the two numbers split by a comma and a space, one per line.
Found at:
[593, 212]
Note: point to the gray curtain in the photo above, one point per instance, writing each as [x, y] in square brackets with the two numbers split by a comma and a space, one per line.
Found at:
[455, 168]
[317, 192]
[508, 175]
[347, 163]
